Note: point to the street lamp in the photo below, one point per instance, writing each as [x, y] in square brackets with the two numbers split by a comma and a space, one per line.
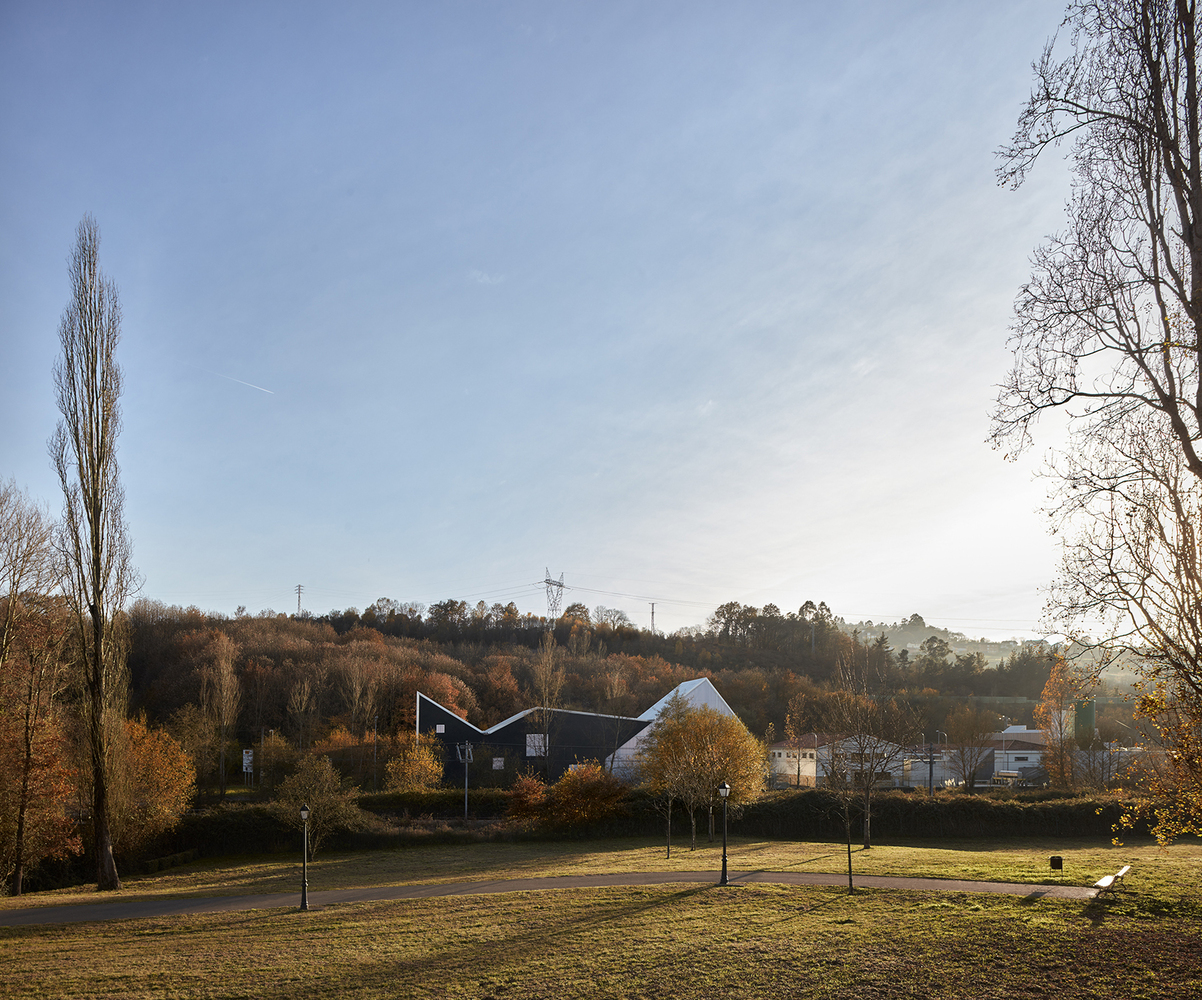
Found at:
[464, 752]
[724, 791]
[305, 858]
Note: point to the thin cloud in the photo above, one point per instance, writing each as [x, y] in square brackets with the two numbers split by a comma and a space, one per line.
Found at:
[481, 278]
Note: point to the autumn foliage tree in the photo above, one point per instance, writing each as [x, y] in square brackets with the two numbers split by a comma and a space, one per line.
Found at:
[34, 772]
[688, 752]
[416, 764]
[35, 768]
[153, 783]
[1054, 715]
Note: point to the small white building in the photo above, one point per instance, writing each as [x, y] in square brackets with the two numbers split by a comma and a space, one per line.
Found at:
[807, 762]
[794, 764]
[1017, 748]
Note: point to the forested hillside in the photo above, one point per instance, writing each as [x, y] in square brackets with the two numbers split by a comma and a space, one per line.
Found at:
[305, 676]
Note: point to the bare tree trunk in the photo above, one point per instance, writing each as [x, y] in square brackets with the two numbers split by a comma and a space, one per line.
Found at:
[847, 829]
[868, 814]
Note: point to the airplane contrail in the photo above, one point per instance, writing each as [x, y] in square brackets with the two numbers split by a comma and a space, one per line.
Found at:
[270, 392]
[251, 384]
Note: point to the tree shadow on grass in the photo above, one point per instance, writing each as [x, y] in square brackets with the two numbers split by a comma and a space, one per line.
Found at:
[515, 950]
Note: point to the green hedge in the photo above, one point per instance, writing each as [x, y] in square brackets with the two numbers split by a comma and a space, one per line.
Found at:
[790, 815]
[817, 814]
[439, 803]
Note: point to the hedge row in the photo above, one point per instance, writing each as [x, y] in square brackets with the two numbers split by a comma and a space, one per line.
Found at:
[817, 814]
[805, 815]
[440, 803]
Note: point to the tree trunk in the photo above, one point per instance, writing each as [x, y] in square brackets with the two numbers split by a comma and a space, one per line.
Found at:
[867, 816]
[669, 826]
[107, 879]
[693, 827]
[23, 802]
[19, 846]
[847, 829]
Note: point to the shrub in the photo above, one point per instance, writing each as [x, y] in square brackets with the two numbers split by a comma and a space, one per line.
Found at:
[527, 798]
[584, 796]
[316, 784]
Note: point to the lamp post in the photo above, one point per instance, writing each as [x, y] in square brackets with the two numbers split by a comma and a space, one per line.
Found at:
[464, 752]
[304, 810]
[724, 791]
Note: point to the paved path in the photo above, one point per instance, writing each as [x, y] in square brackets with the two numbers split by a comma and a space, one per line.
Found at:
[116, 908]
[135, 909]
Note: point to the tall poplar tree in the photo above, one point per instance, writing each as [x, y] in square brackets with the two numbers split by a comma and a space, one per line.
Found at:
[98, 577]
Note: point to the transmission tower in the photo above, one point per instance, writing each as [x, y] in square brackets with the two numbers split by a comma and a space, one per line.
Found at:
[554, 596]
[299, 590]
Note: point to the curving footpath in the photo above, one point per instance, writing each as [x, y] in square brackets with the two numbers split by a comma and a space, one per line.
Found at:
[135, 909]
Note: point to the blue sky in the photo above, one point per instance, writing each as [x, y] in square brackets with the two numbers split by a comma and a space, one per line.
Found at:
[690, 302]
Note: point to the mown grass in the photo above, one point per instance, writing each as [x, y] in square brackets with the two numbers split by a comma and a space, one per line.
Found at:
[662, 941]
[1157, 870]
[697, 941]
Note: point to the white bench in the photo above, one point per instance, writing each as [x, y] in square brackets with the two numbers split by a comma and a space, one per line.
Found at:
[1110, 883]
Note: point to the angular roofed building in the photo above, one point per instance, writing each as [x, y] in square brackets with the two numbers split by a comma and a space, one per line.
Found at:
[567, 738]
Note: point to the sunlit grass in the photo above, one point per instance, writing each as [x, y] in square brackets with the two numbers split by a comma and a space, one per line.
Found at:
[748, 941]
[1162, 871]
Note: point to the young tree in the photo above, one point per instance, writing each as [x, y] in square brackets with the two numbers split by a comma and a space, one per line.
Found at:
[798, 728]
[547, 679]
[1109, 331]
[1053, 715]
[871, 738]
[92, 539]
[316, 784]
[663, 758]
[969, 730]
[688, 752]
[221, 692]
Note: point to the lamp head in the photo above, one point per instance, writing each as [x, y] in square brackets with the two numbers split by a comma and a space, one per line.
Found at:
[305, 812]
[724, 789]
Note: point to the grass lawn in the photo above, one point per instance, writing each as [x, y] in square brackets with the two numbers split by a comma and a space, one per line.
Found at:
[670, 941]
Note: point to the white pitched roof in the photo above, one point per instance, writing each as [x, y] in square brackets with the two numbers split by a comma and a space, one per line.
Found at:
[696, 693]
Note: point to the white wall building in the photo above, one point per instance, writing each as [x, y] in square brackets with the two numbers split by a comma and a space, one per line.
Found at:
[794, 765]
